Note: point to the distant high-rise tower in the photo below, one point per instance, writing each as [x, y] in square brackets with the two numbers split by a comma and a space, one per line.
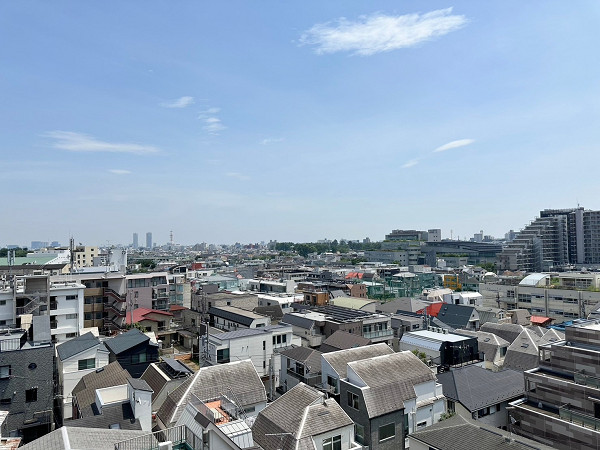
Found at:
[148, 240]
[135, 240]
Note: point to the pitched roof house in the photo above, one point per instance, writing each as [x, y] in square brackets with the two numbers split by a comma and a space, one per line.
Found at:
[303, 419]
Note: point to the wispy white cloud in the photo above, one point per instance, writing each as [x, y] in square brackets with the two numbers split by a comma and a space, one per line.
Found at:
[454, 144]
[271, 140]
[79, 142]
[120, 171]
[181, 102]
[411, 163]
[381, 33]
[238, 176]
[212, 124]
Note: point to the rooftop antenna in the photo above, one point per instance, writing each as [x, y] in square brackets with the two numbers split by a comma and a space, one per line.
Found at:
[171, 236]
[72, 251]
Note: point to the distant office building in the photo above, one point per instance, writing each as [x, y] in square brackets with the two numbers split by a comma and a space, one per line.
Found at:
[511, 235]
[149, 240]
[434, 235]
[35, 245]
[135, 240]
[55, 244]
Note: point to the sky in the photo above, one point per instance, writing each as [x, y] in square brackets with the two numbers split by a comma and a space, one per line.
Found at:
[238, 121]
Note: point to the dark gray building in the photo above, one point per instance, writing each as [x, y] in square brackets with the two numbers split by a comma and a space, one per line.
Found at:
[27, 383]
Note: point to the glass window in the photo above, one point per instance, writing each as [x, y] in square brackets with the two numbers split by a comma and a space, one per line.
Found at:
[71, 316]
[4, 371]
[387, 431]
[333, 443]
[31, 395]
[84, 364]
[352, 400]
[359, 433]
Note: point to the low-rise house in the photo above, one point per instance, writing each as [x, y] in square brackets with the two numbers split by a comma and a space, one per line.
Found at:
[334, 365]
[443, 349]
[163, 377]
[492, 348]
[76, 438]
[124, 406]
[459, 316]
[303, 418]
[507, 331]
[406, 322]
[150, 319]
[84, 393]
[481, 394]
[76, 358]
[341, 340]
[256, 344]
[458, 432]
[230, 318]
[389, 397]
[134, 351]
[299, 365]
[238, 381]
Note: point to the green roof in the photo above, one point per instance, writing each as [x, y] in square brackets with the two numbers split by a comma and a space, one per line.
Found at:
[38, 259]
[351, 302]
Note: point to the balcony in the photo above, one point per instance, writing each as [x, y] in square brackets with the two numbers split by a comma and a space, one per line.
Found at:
[312, 379]
[587, 380]
[378, 334]
[181, 437]
[578, 418]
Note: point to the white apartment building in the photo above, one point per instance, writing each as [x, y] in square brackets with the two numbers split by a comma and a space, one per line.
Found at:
[26, 296]
[256, 344]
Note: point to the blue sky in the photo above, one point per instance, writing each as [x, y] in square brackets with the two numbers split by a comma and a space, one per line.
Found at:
[248, 121]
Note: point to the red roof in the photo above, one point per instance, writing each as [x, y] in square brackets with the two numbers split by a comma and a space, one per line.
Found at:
[433, 309]
[176, 308]
[540, 320]
[358, 275]
[140, 313]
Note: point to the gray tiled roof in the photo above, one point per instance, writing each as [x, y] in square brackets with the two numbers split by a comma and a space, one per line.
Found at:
[458, 433]
[308, 356]
[125, 341]
[302, 412]
[339, 360]
[208, 383]
[488, 343]
[235, 314]
[507, 331]
[400, 305]
[522, 354]
[139, 384]
[82, 439]
[297, 320]
[390, 380]
[76, 345]
[456, 316]
[111, 414]
[342, 340]
[475, 387]
[85, 391]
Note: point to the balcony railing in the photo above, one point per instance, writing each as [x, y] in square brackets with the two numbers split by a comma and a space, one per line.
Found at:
[584, 420]
[180, 437]
[380, 333]
[587, 380]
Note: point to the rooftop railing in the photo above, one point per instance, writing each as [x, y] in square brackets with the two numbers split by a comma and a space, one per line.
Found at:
[180, 437]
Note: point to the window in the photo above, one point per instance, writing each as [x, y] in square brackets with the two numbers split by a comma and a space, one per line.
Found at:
[6, 401]
[71, 335]
[264, 345]
[421, 424]
[2, 302]
[359, 434]
[84, 364]
[387, 431]
[87, 316]
[333, 443]
[4, 371]
[88, 300]
[284, 338]
[223, 355]
[98, 300]
[71, 297]
[31, 395]
[71, 316]
[352, 400]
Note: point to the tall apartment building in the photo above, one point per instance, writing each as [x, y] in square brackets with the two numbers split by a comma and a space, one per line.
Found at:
[148, 240]
[557, 237]
[561, 406]
[135, 241]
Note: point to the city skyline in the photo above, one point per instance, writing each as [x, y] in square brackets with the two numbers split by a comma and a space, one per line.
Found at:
[248, 122]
